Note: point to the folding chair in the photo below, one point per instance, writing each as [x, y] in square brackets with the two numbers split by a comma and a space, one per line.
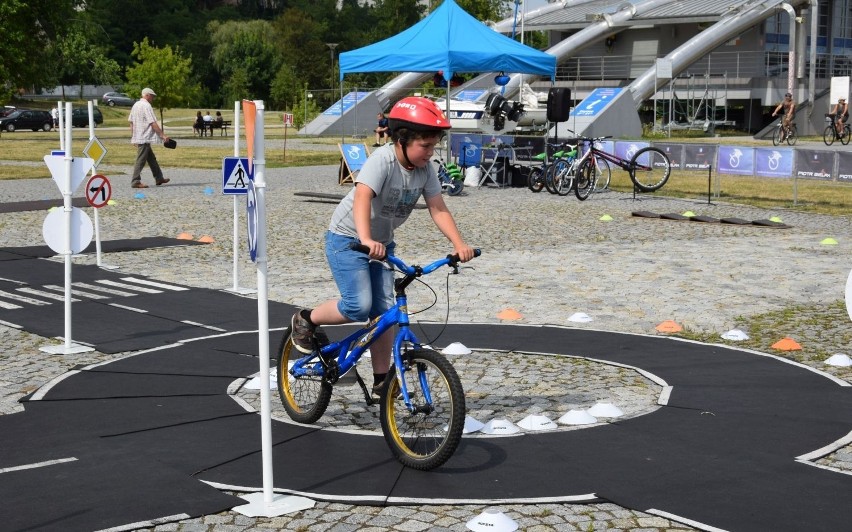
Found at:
[353, 157]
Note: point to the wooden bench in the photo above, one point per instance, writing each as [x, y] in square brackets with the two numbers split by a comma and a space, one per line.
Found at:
[223, 126]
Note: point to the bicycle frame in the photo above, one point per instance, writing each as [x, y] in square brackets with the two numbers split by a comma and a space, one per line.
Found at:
[624, 164]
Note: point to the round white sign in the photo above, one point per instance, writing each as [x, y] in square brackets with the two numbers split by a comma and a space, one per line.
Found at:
[849, 295]
[81, 230]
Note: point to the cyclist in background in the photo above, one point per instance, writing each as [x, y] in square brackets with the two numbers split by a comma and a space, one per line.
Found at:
[789, 108]
[385, 192]
[840, 112]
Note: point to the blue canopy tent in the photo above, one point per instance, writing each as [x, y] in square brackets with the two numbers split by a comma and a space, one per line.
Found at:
[452, 41]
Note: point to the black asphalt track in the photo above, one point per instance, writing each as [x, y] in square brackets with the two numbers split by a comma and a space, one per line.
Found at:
[129, 441]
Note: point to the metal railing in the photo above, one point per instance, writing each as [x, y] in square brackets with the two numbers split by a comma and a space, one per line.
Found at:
[715, 64]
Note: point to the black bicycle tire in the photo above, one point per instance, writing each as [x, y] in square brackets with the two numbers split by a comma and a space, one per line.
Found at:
[564, 172]
[846, 132]
[317, 388]
[792, 135]
[632, 165]
[605, 176]
[549, 175]
[584, 182]
[446, 431]
[829, 133]
[776, 135]
[535, 180]
[455, 188]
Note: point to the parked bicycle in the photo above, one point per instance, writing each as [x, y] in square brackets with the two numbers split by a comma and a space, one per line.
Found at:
[649, 168]
[830, 134]
[782, 134]
[451, 177]
[421, 406]
[541, 177]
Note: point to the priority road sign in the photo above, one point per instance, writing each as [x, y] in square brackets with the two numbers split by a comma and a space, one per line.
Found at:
[98, 191]
[235, 175]
[95, 150]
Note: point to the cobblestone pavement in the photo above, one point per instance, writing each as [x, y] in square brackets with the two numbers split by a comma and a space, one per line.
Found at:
[543, 256]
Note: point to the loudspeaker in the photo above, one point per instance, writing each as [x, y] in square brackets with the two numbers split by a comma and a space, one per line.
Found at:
[558, 104]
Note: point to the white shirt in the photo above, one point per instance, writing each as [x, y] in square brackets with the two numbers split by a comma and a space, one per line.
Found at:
[141, 117]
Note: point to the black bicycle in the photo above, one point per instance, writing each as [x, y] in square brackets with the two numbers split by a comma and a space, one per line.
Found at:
[830, 134]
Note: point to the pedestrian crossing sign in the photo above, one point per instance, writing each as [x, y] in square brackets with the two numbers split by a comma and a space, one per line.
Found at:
[235, 175]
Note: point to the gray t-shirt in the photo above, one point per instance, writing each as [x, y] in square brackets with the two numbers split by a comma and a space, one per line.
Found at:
[397, 191]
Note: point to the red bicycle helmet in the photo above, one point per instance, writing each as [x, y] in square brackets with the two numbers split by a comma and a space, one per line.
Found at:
[417, 114]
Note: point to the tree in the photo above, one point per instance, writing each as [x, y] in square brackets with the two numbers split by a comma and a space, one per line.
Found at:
[164, 70]
[78, 61]
[29, 28]
[249, 47]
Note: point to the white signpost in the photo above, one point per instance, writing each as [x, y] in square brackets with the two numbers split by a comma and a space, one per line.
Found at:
[76, 228]
[265, 504]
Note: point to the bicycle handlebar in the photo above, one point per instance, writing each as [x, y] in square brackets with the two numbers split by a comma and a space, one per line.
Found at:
[451, 260]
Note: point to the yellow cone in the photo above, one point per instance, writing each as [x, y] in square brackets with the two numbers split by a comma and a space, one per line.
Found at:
[828, 242]
[776, 219]
[689, 214]
[605, 218]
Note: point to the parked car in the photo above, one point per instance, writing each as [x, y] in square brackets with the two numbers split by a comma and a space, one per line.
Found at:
[117, 98]
[80, 117]
[27, 119]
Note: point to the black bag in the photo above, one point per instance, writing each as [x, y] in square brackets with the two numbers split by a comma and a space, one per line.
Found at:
[170, 144]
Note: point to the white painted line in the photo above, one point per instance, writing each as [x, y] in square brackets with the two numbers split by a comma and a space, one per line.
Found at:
[195, 323]
[830, 448]
[37, 465]
[152, 283]
[23, 299]
[9, 306]
[48, 295]
[132, 309]
[77, 293]
[12, 325]
[103, 289]
[129, 286]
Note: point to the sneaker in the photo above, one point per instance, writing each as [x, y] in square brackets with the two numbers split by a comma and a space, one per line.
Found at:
[302, 333]
[163, 181]
[138, 184]
[376, 145]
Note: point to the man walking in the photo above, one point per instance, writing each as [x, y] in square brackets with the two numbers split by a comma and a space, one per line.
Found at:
[144, 131]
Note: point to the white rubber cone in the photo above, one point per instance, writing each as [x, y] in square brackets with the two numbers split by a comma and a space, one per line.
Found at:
[533, 422]
[492, 520]
[580, 317]
[500, 426]
[456, 348]
[736, 335]
[577, 417]
[472, 425]
[839, 359]
[254, 383]
[605, 410]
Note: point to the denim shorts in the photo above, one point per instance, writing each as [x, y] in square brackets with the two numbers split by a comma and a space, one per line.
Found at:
[366, 287]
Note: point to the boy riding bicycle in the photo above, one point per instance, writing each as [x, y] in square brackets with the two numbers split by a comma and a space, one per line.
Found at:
[385, 192]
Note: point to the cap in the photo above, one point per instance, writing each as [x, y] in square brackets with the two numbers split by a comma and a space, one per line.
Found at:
[146, 91]
[788, 95]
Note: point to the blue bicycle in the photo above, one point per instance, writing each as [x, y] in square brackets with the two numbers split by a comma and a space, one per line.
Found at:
[421, 405]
